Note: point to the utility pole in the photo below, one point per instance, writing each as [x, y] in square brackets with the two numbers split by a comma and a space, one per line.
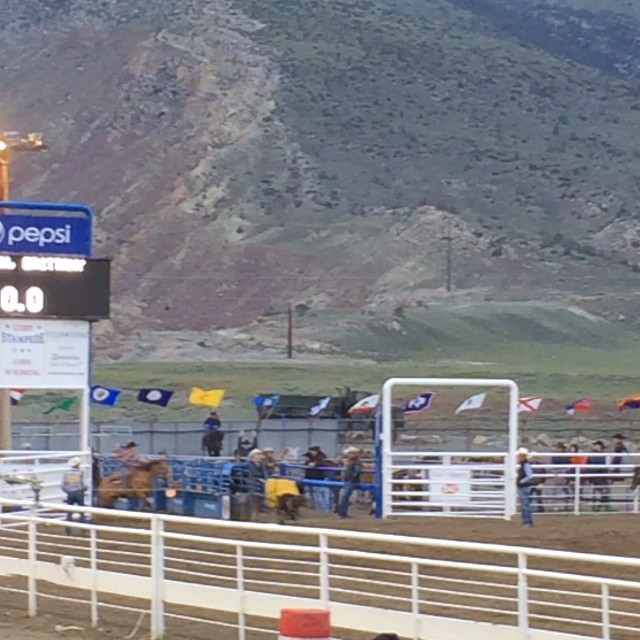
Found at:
[449, 240]
[5, 394]
[11, 141]
[289, 332]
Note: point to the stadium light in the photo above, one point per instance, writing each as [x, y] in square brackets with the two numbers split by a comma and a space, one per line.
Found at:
[12, 141]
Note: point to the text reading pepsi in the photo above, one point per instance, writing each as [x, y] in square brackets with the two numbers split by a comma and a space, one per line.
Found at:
[54, 287]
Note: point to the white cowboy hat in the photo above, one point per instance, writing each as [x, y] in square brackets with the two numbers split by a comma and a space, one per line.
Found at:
[254, 452]
[75, 462]
[351, 450]
[523, 451]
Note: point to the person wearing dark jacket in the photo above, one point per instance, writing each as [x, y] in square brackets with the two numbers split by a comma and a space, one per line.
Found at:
[246, 446]
[316, 458]
[350, 478]
[599, 478]
[619, 448]
[525, 482]
[257, 475]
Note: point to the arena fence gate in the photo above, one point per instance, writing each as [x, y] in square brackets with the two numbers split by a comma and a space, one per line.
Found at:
[452, 483]
[165, 572]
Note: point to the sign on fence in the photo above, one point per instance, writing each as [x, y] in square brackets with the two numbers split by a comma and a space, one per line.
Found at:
[450, 486]
[44, 353]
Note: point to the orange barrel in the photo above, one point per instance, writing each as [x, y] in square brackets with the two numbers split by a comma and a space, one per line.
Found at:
[305, 624]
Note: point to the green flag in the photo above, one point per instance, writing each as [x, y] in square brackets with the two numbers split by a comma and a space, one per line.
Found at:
[64, 405]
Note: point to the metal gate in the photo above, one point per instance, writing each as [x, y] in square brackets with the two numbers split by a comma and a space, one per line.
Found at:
[460, 483]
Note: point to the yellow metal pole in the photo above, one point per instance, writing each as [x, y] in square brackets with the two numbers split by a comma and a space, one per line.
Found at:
[5, 394]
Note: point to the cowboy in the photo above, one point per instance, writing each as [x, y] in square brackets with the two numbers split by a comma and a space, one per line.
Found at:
[599, 478]
[524, 482]
[257, 476]
[619, 448]
[128, 456]
[73, 485]
[212, 423]
[270, 462]
[350, 478]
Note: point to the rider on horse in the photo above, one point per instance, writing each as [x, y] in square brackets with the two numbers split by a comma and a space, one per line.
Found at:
[129, 457]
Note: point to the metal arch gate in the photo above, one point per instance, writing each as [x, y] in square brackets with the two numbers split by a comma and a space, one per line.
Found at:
[412, 487]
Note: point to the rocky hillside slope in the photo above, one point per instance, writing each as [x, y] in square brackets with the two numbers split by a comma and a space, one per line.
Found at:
[243, 155]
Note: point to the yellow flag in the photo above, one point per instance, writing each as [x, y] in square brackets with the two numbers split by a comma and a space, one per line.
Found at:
[208, 397]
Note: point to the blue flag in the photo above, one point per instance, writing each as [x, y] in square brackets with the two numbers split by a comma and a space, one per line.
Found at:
[418, 404]
[160, 397]
[266, 402]
[104, 395]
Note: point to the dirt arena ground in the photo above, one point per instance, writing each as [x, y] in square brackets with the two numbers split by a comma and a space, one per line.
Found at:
[617, 534]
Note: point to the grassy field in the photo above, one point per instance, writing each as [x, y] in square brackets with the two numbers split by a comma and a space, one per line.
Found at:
[558, 373]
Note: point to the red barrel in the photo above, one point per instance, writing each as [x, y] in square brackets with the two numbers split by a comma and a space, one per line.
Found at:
[305, 624]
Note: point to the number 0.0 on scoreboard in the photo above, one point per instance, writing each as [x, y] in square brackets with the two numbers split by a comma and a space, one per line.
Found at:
[54, 287]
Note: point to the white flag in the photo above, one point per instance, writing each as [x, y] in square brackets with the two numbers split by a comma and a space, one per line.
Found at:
[319, 407]
[473, 402]
[365, 405]
[528, 404]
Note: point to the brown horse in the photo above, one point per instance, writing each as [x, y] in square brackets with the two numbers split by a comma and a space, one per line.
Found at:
[138, 483]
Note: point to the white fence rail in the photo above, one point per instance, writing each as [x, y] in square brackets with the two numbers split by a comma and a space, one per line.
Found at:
[46, 467]
[231, 579]
[460, 483]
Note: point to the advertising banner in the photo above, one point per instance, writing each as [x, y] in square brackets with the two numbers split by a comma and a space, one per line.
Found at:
[46, 235]
[44, 354]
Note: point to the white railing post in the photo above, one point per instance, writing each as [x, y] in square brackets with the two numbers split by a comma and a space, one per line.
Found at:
[32, 604]
[576, 492]
[523, 598]
[93, 549]
[415, 599]
[606, 623]
[325, 575]
[242, 624]
[157, 578]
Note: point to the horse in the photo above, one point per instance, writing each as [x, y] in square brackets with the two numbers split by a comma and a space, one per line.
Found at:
[138, 483]
[212, 442]
[288, 505]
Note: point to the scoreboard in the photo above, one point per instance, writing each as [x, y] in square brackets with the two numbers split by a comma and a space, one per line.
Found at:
[54, 287]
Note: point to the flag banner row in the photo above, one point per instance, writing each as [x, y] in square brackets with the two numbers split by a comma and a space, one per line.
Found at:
[266, 403]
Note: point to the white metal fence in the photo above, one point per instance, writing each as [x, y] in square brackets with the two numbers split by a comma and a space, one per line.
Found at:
[44, 467]
[463, 483]
[231, 580]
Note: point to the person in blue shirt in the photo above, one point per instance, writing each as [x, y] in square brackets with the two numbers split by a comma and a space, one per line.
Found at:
[525, 482]
[212, 423]
[213, 435]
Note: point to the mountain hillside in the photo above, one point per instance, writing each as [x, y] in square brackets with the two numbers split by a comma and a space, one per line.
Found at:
[242, 155]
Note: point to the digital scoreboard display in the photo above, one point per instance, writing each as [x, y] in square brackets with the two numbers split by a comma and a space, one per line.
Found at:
[54, 287]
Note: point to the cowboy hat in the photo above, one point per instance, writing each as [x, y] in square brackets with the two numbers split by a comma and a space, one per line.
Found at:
[75, 462]
[268, 450]
[523, 451]
[351, 450]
